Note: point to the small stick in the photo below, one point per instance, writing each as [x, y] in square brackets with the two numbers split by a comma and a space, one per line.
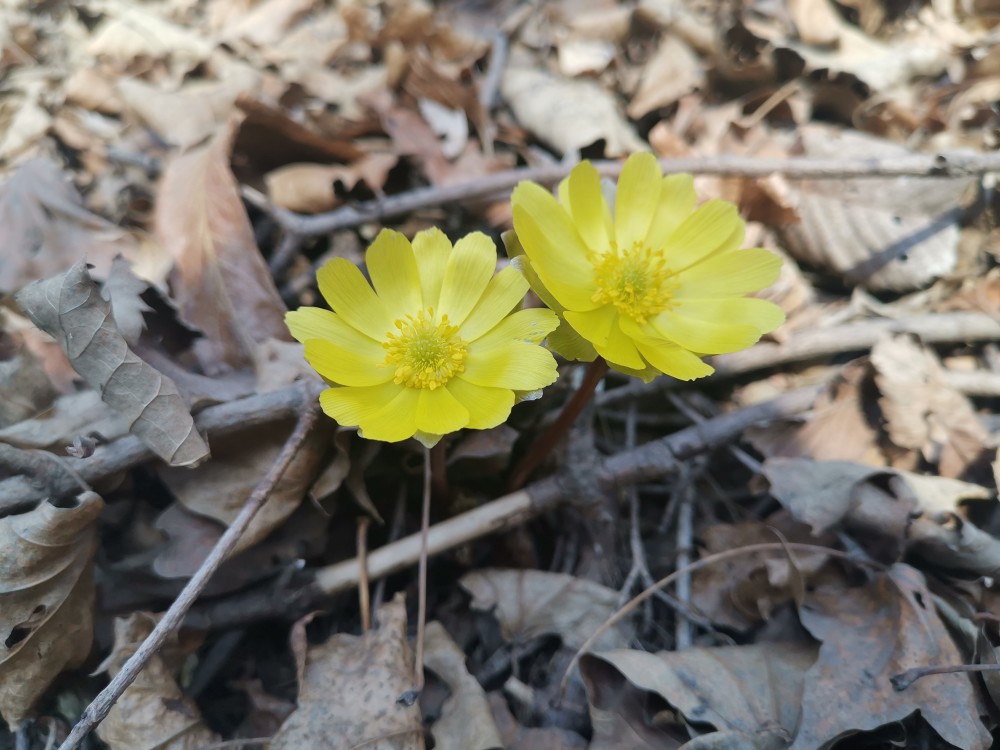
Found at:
[364, 602]
[696, 565]
[545, 442]
[685, 546]
[98, 709]
[425, 525]
[903, 680]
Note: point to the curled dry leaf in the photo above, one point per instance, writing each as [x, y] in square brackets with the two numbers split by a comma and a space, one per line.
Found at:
[892, 620]
[568, 114]
[466, 721]
[349, 693]
[532, 603]
[312, 188]
[221, 284]
[922, 412]
[71, 416]
[69, 307]
[123, 289]
[751, 693]
[153, 713]
[46, 598]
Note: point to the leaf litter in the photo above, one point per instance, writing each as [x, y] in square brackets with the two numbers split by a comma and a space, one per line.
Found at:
[159, 167]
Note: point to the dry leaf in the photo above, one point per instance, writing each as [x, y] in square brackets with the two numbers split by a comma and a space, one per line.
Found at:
[220, 282]
[71, 416]
[349, 694]
[313, 188]
[892, 622]
[673, 71]
[69, 308]
[466, 722]
[922, 413]
[567, 113]
[46, 598]
[750, 692]
[153, 713]
[531, 603]
[123, 289]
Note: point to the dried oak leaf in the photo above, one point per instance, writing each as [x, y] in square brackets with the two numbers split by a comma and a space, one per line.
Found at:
[46, 598]
[532, 603]
[69, 307]
[350, 689]
[153, 713]
[870, 633]
[749, 694]
[220, 281]
[466, 721]
[922, 412]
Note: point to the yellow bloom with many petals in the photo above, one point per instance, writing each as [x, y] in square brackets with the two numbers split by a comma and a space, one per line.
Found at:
[652, 284]
[432, 345]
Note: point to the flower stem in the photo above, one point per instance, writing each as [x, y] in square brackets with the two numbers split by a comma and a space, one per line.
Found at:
[545, 442]
[425, 522]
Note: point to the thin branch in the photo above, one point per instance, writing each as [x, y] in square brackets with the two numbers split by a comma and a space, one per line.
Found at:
[943, 164]
[95, 713]
[655, 459]
[425, 525]
[903, 680]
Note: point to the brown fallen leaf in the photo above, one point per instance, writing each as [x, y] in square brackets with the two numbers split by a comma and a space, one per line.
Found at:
[69, 307]
[313, 188]
[531, 603]
[673, 71]
[220, 282]
[466, 722]
[153, 713]
[751, 693]
[46, 598]
[350, 690]
[71, 416]
[892, 622]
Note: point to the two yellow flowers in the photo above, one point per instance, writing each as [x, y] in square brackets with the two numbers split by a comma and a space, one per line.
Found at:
[437, 341]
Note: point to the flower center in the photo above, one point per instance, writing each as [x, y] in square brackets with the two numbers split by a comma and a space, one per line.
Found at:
[636, 280]
[425, 354]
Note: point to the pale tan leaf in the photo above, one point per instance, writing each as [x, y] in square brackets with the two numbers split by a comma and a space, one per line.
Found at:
[129, 30]
[220, 282]
[69, 308]
[466, 722]
[123, 289]
[567, 113]
[349, 694]
[531, 603]
[46, 598]
[153, 713]
[673, 71]
[311, 188]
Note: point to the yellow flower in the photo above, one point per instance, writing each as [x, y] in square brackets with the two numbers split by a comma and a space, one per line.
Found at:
[434, 347]
[651, 285]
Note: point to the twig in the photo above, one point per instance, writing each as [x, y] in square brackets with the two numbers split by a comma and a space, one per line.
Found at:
[544, 443]
[685, 546]
[903, 680]
[425, 524]
[129, 451]
[285, 253]
[939, 328]
[943, 164]
[364, 601]
[395, 530]
[98, 709]
[657, 458]
[696, 565]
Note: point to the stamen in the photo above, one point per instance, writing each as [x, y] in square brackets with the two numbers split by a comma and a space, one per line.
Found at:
[635, 280]
[425, 353]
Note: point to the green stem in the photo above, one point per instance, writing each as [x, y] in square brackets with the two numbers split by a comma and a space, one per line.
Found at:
[545, 442]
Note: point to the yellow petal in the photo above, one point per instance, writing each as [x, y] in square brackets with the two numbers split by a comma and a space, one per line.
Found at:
[703, 336]
[672, 360]
[432, 250]
[637, 198]
[619, 349]
[551, 241]
[351, 297]
[730, 273]
[348, 366]
[316, 323]
[393, 270]
[714, 227]
[352, 406]
[763, 315]
[530, 325]
[516, 365]
[520, 261]
[593, 325]
[677, 199]
[469, 270]
[439, 412]
[587, 205]
[505, 291]
[396, 420]
[487, 407]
